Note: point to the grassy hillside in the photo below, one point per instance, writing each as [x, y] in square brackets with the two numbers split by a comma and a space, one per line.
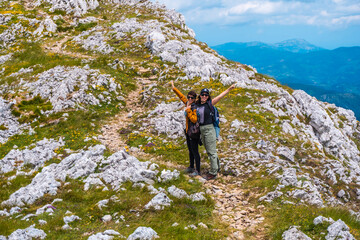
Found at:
[90, 128]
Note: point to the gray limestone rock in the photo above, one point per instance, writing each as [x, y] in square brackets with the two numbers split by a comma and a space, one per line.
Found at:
[111, 232]
[197, 197]
[69, 219]
[106, 218]
[94, 40]
[27, 234]
[309, 194]
[236, 125]
[69, 87]
[49, 179]
[42, 222]
[159, 202]
[35, 157]
[286, 153]
[15, 210]
[121, 167]
[168, 119]
[46, 25]
[334, 140]
[289, 178]
[339, 230]
[102, 203]
[177, 192]
[4, 18]
[4, 213]
[5, 58]
[21, 71]
[321, 219]
[143, 233]
[294, 234]
[269, 197]
[341, 193]
[76, 7]
[8, 121]
[10, 35]
[100, 236]
[168, 175]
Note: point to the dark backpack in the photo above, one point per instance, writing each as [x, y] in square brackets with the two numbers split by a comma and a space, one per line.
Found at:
[193, 128]
[216, 118]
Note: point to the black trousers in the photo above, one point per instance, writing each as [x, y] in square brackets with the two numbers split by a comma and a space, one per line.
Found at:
[193, 146]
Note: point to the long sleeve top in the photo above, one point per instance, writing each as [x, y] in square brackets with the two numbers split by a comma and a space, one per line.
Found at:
[190, 114]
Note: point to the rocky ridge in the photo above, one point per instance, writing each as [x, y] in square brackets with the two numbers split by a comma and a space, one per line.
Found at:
[307, 149]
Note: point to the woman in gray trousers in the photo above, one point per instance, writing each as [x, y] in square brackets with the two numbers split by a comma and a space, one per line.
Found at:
[205, 112]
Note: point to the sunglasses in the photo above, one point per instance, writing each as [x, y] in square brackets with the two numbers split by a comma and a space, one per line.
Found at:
[204, 95]
[191, 97]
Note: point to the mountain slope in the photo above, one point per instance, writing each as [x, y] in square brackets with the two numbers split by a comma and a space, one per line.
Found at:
[297, 46]
[92, 142]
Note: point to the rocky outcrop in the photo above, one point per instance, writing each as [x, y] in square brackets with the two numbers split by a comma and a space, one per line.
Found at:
[143, 233]
[160, 201]
[335, 140]
[168, 119]
[8, 122]
[4, 18]
[339, 230]
[46, 25]
[28, 233]
[294, 234]
[49, 179]
[70, 87]
[106, 235]
[76, 7]
[94, 40]
[5, 58]
[34, 157]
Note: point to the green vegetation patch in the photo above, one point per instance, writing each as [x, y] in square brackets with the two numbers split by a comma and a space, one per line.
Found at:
[32, 54]
[279, 217]
[85, 26]
[128, 203]
[77, 126]
[28, 110]
[8, 187]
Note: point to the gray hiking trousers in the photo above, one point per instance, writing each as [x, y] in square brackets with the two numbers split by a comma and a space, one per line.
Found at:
[208, 138]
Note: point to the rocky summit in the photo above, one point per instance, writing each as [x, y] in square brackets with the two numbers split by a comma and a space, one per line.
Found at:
[92, 144]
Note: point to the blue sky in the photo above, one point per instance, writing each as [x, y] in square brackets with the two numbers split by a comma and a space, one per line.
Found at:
[326, 23]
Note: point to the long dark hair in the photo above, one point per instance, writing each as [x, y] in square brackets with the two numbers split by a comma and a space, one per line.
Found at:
[198, 101]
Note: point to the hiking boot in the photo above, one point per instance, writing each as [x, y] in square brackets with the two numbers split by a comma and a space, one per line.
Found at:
[189, 170]
[210, 176]
[194, 174]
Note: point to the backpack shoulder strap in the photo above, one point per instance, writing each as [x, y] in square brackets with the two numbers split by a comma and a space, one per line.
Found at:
[211, 106]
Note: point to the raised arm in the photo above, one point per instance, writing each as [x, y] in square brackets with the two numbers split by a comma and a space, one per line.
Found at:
[178, 93]
[221, 95]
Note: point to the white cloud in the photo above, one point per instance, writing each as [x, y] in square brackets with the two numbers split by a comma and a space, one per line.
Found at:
[346, 20]
[306, 12]
[256, 7]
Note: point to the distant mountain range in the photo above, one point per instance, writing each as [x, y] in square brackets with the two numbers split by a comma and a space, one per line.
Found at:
[329, 75]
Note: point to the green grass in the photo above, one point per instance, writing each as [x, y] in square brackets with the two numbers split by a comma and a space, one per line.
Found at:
[85, 26]
[281, 216]
[28, 110]
[79, 125]
[15, 184]
[131, 206]
[32, 54]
